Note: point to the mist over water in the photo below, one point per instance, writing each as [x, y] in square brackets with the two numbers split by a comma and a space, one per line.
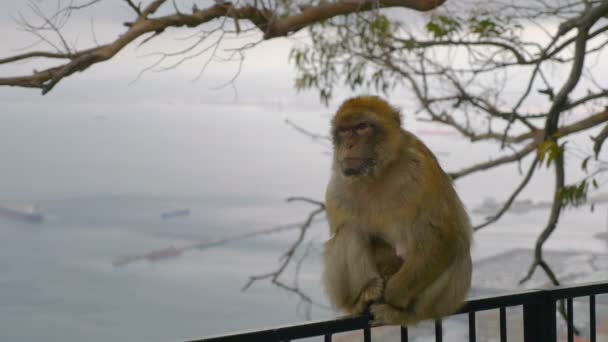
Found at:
[103, 181]
[104, 178]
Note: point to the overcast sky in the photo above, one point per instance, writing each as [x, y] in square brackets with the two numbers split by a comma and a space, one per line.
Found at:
[266, 75]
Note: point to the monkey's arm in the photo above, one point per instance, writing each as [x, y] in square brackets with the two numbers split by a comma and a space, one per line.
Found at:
[432, 250]
[351, 278]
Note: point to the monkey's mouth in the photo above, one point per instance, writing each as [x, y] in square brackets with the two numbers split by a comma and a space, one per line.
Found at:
[356, 166]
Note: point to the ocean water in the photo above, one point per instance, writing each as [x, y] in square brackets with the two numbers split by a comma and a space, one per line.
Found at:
[103, 178]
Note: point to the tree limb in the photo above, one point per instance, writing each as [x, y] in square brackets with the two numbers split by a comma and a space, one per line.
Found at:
[551, 127]
[36, 54]
[172, 251]
[512, 198]
[556, 208]
[599, 139]
[412, 43]
[269, 22]
[496, 162]
[134, 7]
[288, 256]
[579, 126]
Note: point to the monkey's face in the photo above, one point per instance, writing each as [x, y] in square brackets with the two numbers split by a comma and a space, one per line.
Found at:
[367, 135]
[354, 142]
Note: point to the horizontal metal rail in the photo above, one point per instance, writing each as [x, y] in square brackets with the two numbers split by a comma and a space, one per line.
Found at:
[309, 329]
[538, 310]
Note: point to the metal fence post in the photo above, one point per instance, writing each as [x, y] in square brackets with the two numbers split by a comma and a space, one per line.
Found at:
[539, 319]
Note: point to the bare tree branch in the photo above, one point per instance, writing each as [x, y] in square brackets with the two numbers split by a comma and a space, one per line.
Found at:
[151, 8]
[512, 198]
[314, 136]
[134, 7]
[551, 225]
[172, 251]
[35, 54]
[577, 127]
[598, 140]
[412, 43]
[551, 127]
[269, 22]
[288, 257]
[494, 163]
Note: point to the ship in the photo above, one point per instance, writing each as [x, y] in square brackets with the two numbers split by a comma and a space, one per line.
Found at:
[29, 214]
[160, 254]
[175, 213]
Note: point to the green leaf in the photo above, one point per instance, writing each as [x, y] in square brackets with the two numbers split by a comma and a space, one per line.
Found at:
[573, 195]
[584, 164]
[442, 26]
[485, 27]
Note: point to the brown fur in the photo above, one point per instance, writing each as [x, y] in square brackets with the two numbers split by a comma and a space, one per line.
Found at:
[400, 235]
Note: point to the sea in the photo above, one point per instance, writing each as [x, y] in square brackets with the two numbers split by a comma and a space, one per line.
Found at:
[104, 177]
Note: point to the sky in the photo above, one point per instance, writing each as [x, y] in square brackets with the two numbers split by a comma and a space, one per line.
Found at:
[115, 87]
[265, 83]
[266, 76]
[261, 98]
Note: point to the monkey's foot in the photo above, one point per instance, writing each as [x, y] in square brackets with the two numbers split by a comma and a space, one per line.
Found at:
[373, 291]
[386, 314]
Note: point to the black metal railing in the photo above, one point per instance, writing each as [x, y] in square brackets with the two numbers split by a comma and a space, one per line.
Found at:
[539, 318]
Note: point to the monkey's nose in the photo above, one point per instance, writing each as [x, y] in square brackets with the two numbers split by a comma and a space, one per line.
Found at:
[353, 163]
[350, 143]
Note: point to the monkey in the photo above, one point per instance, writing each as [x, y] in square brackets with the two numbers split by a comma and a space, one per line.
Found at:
[400, 236]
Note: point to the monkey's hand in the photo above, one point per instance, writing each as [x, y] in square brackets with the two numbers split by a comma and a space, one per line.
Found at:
[372, 292]
[386, 314]
[396, 294]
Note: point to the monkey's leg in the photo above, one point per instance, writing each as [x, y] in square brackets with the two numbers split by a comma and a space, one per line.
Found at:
[350, 275]
[335, 274]
[364, 278]
[446, 294]
[442, 297]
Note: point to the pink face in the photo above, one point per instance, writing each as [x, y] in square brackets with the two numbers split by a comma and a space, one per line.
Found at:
[355, 146]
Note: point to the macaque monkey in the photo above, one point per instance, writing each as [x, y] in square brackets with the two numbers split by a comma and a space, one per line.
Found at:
[400, 236]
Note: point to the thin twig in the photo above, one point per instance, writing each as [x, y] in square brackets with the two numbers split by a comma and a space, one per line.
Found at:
[288, 257]
[512, 198]
[272, 25]
[314, 136]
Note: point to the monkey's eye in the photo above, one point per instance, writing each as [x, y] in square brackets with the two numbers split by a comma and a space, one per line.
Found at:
[342, 130]
[362, 127]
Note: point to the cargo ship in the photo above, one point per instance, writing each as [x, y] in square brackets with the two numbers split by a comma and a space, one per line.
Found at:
[25, 214]
[175, 213]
